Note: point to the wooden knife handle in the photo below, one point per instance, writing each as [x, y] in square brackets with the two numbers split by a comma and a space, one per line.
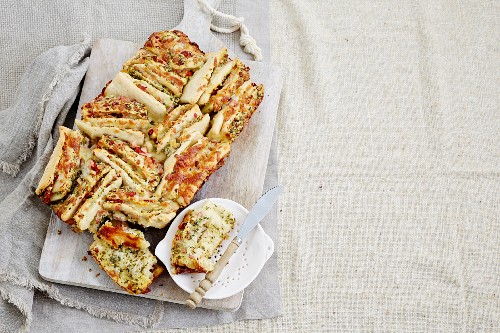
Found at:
[211, 277]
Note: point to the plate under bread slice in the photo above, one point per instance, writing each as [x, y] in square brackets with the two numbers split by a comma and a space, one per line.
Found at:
[123, 253]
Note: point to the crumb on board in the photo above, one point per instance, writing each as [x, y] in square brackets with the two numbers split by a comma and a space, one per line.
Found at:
[90, 269]
[97, 274]
[59, 232]
[161, 285]
[84, 258]
[89, 253]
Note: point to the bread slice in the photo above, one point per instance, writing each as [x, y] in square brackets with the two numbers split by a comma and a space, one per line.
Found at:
[199, 81]
[146, 212]
[63, 167]
[199, 235]
[123, 254]
[139, 170]
[176, 50]
[118, 107]
[92, 172]
[228, 123]
[124, 85]
[238, 75]
[192, 169]
[131, 136]
[88, 210]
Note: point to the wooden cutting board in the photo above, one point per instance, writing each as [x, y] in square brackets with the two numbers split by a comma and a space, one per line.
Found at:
[64, 256]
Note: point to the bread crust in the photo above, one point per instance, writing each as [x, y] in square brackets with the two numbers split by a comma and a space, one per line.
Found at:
[50, 170]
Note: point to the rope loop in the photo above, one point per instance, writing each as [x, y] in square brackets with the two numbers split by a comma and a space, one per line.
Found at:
[248, 43]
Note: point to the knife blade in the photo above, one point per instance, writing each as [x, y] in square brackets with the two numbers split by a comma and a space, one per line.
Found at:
[259, 211]
[256, 214]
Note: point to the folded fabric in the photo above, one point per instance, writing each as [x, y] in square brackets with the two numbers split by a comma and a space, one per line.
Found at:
[46, 93]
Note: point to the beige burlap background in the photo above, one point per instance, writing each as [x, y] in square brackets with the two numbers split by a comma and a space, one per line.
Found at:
[388, 132]
[389, 147]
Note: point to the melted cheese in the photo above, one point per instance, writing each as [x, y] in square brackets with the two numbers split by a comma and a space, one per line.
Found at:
[200, 233]
[168, 166]
[88, 179]
[192, 168]
[131, 268]
[104, 156]
[142, 168]
[228, 123]
[122, 123]
[63, 167]
[121, 107]
[175, 49]
[169, 142]
[119, 234]
[160, 96]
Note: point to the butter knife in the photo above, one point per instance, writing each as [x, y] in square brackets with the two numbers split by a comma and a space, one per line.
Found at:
[256, 214]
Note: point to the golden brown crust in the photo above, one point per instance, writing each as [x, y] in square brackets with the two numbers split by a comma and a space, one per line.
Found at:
[238, 75]
[119, 234]
[63, 167]
[193, 168]
[175, 49]
[123, 254]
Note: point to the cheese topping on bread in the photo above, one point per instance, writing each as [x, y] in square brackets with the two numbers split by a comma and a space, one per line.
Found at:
[123, 254]
[118, 107]
[238, 75]
[192, 168]
[228, 123]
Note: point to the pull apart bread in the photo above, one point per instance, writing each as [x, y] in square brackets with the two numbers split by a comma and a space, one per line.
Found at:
[143, 148]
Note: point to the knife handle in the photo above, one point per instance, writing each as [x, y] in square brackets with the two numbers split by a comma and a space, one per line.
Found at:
[211, 277]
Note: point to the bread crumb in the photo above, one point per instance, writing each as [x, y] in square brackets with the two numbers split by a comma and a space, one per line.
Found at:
[84, 258]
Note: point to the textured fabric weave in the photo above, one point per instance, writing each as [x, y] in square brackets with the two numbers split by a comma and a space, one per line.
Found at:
[388, 137]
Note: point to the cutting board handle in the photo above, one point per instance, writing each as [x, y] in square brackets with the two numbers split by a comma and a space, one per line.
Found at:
[196, 24]
[195, 18]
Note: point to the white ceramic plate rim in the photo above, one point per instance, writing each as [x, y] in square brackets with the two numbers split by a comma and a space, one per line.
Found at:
[185, 281]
